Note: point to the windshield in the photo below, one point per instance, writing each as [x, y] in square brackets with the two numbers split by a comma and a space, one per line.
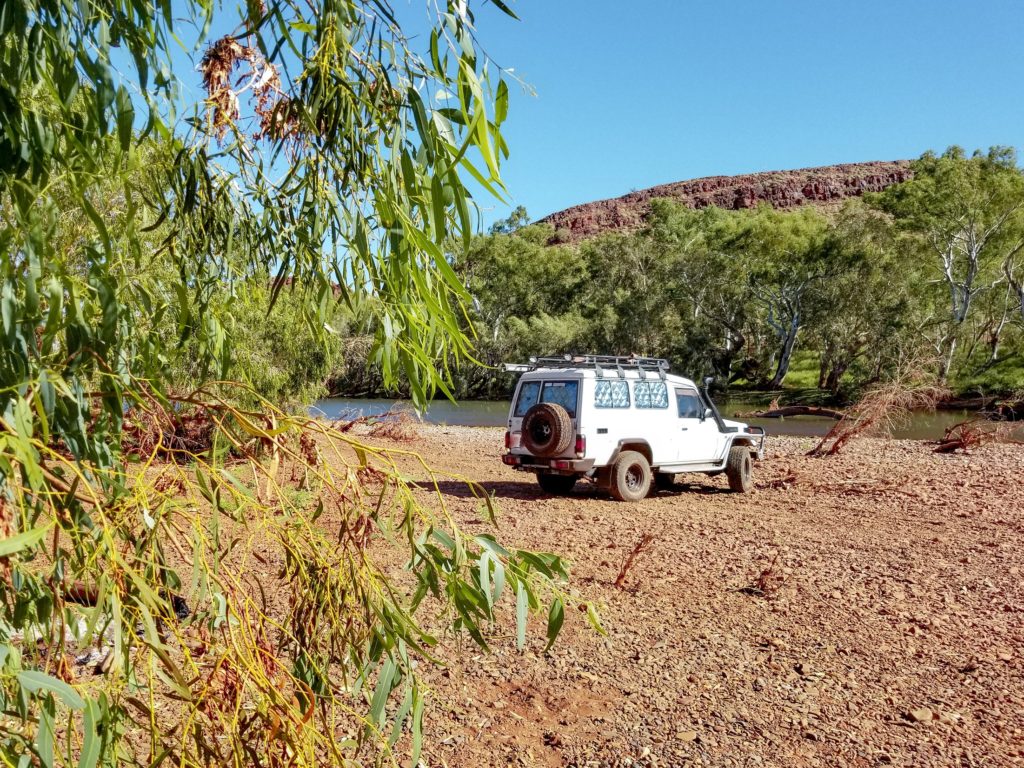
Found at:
[563, 393]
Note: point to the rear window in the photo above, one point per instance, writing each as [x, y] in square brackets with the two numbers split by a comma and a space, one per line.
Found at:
[563, 393]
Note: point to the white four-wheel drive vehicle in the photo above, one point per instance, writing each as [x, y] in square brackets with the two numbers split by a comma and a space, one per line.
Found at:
[626, 422]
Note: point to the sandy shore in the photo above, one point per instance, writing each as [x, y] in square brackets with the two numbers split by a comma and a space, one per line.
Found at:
[889, 630]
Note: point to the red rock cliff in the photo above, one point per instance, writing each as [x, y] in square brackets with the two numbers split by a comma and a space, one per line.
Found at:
[824, 186]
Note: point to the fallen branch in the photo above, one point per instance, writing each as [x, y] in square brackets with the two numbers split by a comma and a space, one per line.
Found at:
[793, 410]
[972, 433]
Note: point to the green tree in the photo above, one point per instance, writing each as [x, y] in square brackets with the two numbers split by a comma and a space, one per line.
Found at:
[709, 283]
[788, 265]
[628, 298]
[143, 237]
[967, 213]
[868, 304]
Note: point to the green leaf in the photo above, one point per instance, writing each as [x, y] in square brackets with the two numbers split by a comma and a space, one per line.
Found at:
[522, 607]
[555, 618]
[385, 682]
[504, 8]
[23, 418]
[34, 681]
[22, 540]
[92, 740]
[125, 118]
[501, 103]
[485, 576]
[499, 580]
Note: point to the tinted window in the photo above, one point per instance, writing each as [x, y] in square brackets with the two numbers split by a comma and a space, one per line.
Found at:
[563, 393]
[689, 404]
[611, 394]
[528, 393]
[651, 394]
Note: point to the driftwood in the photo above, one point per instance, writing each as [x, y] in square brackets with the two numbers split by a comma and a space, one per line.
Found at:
[974, 432]
[783, 411]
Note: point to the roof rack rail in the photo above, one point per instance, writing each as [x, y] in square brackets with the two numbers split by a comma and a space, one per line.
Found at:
[600, 363]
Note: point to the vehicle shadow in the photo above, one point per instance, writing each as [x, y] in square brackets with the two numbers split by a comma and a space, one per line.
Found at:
[499, 489]
[683, 489]
[510, 489]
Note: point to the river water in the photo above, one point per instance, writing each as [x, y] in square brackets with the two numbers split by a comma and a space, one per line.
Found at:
[489, 413]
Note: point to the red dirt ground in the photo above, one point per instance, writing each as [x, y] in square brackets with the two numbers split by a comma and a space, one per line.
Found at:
[888, 628]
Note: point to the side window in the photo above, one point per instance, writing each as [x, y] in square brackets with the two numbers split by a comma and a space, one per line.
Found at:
[528, 394]
[651, 394]
[689, 404]
[611, 394]
[563, 393]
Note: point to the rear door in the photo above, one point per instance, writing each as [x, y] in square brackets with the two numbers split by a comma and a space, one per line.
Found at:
[697, 438]
[564, 391]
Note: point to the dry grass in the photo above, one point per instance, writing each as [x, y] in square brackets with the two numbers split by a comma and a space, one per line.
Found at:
[397, 424]
[882, 409]
[169, 434]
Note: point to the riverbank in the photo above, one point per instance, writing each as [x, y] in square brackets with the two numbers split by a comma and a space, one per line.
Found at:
[925, 425]
[861, 610]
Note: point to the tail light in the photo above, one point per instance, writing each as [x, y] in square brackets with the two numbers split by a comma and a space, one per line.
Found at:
[508, 440]
[581, 446]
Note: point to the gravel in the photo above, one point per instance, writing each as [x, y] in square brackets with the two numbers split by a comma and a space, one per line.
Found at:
[859, 610]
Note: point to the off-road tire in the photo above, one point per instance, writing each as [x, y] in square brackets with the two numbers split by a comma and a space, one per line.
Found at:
[631, 476]
[740, 469]
[558, 485]
[547, 430]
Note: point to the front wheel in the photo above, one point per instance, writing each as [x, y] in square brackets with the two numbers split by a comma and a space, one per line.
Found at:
[556, 484]
[740, 469]
[631, 476]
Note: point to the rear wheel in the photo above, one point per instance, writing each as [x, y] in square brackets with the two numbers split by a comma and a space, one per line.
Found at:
[556, 484]
[631, 476]
[740, 469]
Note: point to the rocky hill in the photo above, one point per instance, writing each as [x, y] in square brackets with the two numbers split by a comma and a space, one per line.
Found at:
[825, 186]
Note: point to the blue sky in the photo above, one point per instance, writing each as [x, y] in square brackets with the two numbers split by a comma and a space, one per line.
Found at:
[632, 94]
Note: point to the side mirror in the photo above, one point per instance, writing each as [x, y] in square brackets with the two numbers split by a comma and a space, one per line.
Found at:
[706, 415]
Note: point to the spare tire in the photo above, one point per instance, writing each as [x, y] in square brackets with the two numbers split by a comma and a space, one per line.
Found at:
[547, 430]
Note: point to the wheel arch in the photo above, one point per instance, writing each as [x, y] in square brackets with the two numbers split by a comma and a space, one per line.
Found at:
[637, 444]
[742, 440]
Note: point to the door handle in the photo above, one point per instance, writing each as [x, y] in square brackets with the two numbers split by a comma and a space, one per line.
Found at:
[685, 428]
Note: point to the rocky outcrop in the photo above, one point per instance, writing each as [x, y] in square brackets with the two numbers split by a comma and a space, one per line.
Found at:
[825, 186]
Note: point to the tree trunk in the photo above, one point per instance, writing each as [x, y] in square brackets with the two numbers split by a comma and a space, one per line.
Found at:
[835, 375]
[786, 357]
[824, 367]
[947, 358]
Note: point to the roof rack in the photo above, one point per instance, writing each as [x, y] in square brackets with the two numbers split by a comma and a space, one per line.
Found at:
[600, 363]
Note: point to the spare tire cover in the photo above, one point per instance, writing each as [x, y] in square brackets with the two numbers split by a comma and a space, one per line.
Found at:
[547, 430]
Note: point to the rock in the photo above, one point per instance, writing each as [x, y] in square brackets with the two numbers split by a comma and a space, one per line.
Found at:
[922, 715]
[687, 736]
[824, 186]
